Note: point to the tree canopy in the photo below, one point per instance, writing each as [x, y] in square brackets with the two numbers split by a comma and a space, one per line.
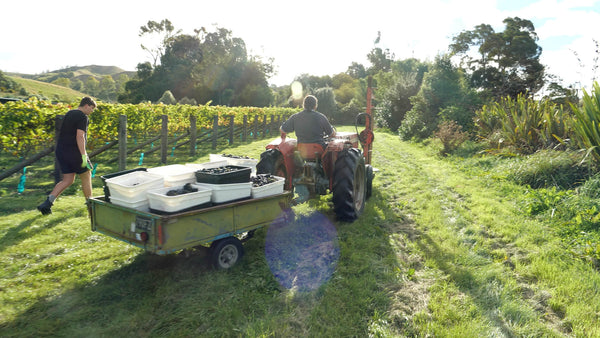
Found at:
[205, 66]
[505, 63]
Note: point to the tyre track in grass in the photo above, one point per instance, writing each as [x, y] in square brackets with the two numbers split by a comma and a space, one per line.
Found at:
[463, 250]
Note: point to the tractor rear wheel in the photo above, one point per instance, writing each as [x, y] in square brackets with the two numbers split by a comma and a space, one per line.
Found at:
[349, 185]
[369, 177]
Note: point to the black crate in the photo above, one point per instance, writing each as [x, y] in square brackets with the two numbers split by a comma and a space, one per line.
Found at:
[236, 174]
[108, 176]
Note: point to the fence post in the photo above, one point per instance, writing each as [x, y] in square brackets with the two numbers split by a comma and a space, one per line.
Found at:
[245, 129]
[272, 125]
[164, 133]
[264, 128]
[193, 135]
[58, 120]
[255, 127]
[122, 142]
[215, 133]
[231, 127]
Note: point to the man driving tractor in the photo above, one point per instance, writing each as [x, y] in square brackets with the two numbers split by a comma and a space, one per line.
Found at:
[310, 125]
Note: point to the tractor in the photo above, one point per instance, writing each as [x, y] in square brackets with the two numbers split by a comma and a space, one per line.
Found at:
[341, 168]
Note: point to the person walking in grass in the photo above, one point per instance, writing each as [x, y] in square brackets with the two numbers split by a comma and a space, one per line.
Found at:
[71, 153]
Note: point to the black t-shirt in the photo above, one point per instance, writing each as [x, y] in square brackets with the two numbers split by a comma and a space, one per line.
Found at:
[310, 126]
[74, 119]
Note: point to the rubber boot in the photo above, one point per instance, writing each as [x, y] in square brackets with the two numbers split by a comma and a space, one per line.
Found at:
[45, 207]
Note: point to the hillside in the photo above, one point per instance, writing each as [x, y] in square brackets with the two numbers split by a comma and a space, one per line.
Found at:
[48, 90]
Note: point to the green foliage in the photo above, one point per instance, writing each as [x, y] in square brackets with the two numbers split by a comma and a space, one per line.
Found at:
[207, 67]
[167, 98]
[326, 105]
[8, 85]
[28, 126]
[443, 86]
[508, 62]
[523, 124]
[586, 124]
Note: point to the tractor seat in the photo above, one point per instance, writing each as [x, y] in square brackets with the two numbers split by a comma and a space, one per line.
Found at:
[310, 151]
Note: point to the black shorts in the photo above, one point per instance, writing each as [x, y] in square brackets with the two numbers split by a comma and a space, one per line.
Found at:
[70, 162]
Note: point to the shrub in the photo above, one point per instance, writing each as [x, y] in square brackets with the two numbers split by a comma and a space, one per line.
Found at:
[451, 136]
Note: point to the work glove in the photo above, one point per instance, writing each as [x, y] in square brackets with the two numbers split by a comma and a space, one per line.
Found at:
[85, 162]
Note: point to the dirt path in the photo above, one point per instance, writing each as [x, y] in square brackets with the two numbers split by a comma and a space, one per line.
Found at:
[472, 262]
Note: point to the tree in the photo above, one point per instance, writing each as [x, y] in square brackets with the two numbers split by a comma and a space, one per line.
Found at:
[92, 85]
[206, 67]
[508, 62]
[164, 28]
[326, 103]
[357, 71]
[62, 81]
[396, 89]
[444, 91]
[381, 60]
[77, 84]
[107, 88]
[167, 98]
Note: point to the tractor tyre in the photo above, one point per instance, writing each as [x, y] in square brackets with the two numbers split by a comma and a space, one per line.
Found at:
[369, 180]
[226, 252]
[349, 185]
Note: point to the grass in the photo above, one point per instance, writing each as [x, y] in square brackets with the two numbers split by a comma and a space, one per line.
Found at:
[442, 249]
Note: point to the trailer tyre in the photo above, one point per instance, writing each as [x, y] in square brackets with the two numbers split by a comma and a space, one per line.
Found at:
[349, 185]
[226, 252]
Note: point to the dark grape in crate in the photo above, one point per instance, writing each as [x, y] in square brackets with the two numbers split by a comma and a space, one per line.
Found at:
[224, 175]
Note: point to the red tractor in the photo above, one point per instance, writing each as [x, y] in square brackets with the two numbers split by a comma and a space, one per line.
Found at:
[341, 168]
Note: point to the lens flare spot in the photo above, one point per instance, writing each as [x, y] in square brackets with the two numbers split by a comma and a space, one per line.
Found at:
[302, 254]
[296, 88]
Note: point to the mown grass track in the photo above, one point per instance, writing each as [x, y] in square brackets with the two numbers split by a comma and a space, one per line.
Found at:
[441, 250]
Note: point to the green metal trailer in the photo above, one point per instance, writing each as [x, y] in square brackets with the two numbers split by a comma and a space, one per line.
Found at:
[217, 227]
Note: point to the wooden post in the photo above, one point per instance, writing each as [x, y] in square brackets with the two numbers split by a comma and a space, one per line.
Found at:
[164, 133]
[255, 127]
[245, 129]
[215, 134]
[193, 135]
[122, 142]
[58, 120]
[264, 128]
[231, 128]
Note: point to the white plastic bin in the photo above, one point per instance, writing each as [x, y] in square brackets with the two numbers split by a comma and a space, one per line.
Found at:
[159, 200]
[227, 192]
[269, 189]
[175, 174]
[133, 186]
[141, 205]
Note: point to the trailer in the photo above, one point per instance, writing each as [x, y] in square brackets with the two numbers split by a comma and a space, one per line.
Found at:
[219, 227]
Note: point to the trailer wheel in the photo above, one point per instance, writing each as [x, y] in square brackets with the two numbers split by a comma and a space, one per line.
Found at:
[226, 252]
[349, 185]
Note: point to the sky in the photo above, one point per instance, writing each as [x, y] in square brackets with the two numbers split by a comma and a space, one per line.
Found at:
[316, 37]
